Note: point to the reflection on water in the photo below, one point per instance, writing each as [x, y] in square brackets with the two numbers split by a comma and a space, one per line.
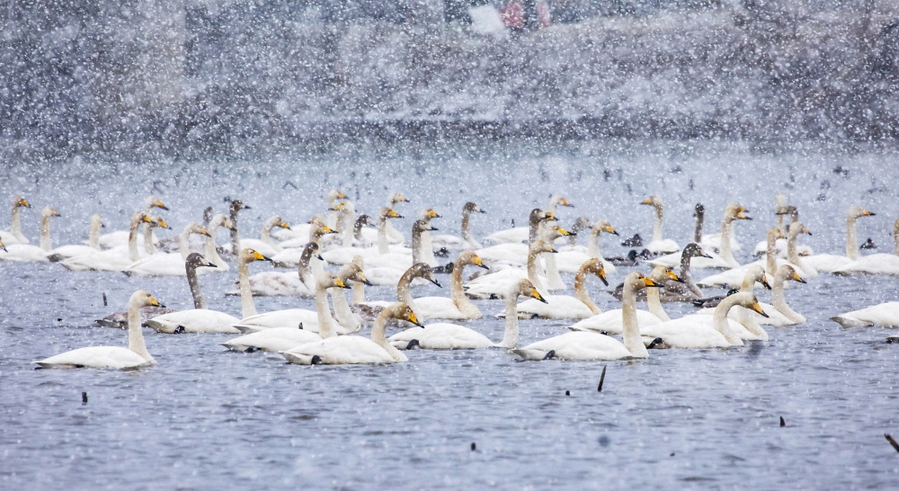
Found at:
[205, 417]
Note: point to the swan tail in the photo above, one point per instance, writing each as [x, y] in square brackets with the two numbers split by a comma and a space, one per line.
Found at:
[851, 322]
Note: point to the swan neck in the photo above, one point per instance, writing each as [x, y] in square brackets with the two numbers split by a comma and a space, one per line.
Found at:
[383, 248]
[427, 249]
[195, 290]
[532, 271]
[593, 245]
[184, 244]
[342, 309]
[378, 337]
[149, 246]
[404, 289]
[896, 242]
[654, 304]
[133, 254]
[45, 233]
[511, 333]
[325, 328]
[777, 293]
[580, 292]
[726, 231]
[697, 232]
[247, 305]
[719, 319]
[94, 236]
[15, 227]
[851, 241]
[211, 252]
[235, 236]
[358, 292]
[417, 245]
[457, 292]
[771, 253]
[348, 230]
[657, 226]
[631, 334]
[135, 332]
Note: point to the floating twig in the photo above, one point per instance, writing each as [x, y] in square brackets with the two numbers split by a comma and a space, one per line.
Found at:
[602, 378]
[473, 446]
[782, 422]
[84, 398]
[105, 304]
[892, 442]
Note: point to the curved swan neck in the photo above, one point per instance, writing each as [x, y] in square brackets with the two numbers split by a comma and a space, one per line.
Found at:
[46, 244]
[851, 241]
[184, 242]
[511, 333]
[342, 309]
[378, 330]
[133, 253]
[404, 290]
[580, 291]
[135, 333]
[631, 335]
[15, 226]
[195, 290]
[247, 306]
[211, 251]
[719, 318]
[325, 328]
[457, 291]
[533, 275]
[654, 304]
[726, 231]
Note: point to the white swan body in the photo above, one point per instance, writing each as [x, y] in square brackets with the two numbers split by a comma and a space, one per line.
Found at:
[134, 356]
[579, 306]
[703, 331]
[495, 285]
[456, 306]
[452, 336]
[659, 245]
[593, 346]
[829, 263]
[31, 253]
[170, 264]
[344, 350]
[275, 340]
[884, 314]
[14, 234]
[120, 238]
[72, 250]
[875, 263]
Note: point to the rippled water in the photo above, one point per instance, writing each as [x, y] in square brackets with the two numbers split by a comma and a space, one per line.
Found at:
[204, 417]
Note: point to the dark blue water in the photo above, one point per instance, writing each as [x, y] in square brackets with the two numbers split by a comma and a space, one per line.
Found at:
[204, 417]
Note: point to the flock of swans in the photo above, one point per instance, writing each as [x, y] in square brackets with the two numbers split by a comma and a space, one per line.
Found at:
[519, 262]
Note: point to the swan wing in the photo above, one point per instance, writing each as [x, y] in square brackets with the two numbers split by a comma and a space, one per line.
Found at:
[441, 336]
[194, 320]
[96, 357]
[576, 346]
[276, 339]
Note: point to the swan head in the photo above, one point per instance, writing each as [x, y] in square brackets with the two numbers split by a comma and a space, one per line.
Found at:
[335, 195]
[787, 272]
[401, 311]
[338, 206]
[582, 223]
[694, 250]
[277, 221]
[154, 202]
[661, 274]
[749, 301]
[422, 225]
[97, 221]
[797, 228]
[49, 211]
[775, 233]
[558, 200]
[143, 298]
[638, 281]
[736, 211]
[157, 221]
[196, 228]
[469, 257]
[20, 202]
[388, 213]
[858, 212]
[196, 260]
[594, 266]
[365, 220]
[353, 272]
[525, 288]
[699, 211]
[330, 280]
[538, 215]
[654, 201]
[237, 205]
[249, 255]
[604, 226]
[756, 274]
[540, 246]
[424, 271]
[472, 208]
[394, 198]
[554, 232]
[429, 214]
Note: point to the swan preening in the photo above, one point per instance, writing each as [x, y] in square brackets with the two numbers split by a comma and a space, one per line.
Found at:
[134, 356]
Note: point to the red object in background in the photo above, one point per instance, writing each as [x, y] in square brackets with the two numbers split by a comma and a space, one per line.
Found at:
[513, 14]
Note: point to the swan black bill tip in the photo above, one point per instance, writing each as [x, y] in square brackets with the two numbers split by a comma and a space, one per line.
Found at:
[367, 283]
[483, 266]
[437, 283]
[551, 355]
[604, 281]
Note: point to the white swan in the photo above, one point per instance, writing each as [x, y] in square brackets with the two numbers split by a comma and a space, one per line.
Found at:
[345, 255]
[293, 249]
[875, 263]
[467, 240]
[553, 278]
[529, 233]
[134, 356]
[828, 263]
[753, 274]
[112, 259]
[456, 306]
[210, 249]
[351, 350]
[495, 285]
[570, 258]
[884, 314]
[72, 250]
[233, 209]
[28, 252]
[426, 246]
[265, 244]
[119, 238]
[579, 306]
[725, 259]
[779, 313]
[278, 283]
[718, 242]
[612, 321]
[704, 331]
[310, 319]
[403, 291]
[15, 235]
[167, 264]
[659, 245]
[452, 336]
[199, 319]
[394, 236]
[592, 346]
